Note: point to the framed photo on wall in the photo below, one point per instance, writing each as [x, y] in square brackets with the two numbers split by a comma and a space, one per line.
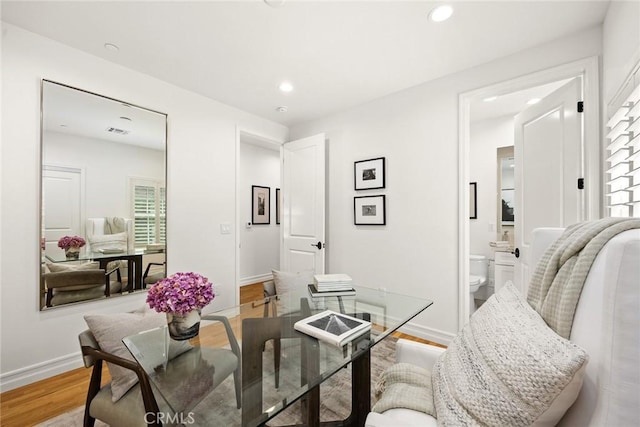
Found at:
[473, 200]
[369, 174]
[260, 204]
[278, 206]
[369, 210]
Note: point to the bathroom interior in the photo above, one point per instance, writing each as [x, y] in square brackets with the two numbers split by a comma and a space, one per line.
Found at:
[492, 179]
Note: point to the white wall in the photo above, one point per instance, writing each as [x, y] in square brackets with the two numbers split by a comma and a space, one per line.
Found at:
[621, 48]
[107, 166]
[485, 138]
[417, 131]
[201, 194]
[260, 244]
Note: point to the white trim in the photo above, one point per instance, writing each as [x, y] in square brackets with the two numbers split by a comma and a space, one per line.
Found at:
[255, 279]
[39, 371]
[589, 69]
[435, 335]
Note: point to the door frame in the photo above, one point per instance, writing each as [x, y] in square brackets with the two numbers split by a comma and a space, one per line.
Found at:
[267, 141]
[588, 68]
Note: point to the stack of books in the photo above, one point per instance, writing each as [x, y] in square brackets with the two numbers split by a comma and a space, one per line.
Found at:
[331, 285]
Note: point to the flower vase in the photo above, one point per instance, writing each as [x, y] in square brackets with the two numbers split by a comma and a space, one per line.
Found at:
[72, 252]
[183, 326]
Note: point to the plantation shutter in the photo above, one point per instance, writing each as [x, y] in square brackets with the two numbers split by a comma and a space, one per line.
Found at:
[163, 215]
[623, 156]
[144, 205]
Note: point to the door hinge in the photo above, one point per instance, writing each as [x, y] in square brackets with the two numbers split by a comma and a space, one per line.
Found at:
[580, 183]
[580, 106]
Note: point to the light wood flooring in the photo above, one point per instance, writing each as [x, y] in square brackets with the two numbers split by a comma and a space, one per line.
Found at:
[40, 401]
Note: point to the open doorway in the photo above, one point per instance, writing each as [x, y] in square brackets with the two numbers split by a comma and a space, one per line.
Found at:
[487, 137]
[258, 231]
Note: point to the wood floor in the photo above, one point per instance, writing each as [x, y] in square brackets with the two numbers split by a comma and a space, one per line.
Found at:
[40, 401]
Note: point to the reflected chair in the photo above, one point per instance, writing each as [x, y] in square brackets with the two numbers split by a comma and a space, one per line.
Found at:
[139, 405]
[66, 287]
[270, 295]
[150, 279]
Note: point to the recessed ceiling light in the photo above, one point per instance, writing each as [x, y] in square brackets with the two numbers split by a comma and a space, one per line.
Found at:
[63, 126]
[275, 3]
[441, 13]
[285, 87]
[111, 47]
[533, 101]
[282, 109]
[490, 98]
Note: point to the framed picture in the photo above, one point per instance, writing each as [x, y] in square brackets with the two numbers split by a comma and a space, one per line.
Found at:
[473, 200]
[369, 210]
[260, 204]
[278, 206]
[369, 174]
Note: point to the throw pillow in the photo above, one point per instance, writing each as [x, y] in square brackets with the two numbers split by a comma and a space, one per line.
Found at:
[64, 267]
[404, 385]
[110, 329]
[291, 285]
[116, 241]
[507, 367]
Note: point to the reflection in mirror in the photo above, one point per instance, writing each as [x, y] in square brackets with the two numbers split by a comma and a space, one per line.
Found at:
[103, 181]
[506, 192]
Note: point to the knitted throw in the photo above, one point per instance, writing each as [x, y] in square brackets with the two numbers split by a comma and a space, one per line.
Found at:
[556, 284]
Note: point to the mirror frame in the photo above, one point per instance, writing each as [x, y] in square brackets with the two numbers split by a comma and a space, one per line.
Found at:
[42, 298]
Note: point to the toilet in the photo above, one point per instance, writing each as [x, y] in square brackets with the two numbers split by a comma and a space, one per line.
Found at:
[478, 270]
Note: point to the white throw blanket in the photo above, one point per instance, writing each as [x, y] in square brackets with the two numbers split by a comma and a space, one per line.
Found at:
[556, 284]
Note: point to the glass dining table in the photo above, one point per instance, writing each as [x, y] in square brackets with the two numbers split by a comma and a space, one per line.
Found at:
[279, 365]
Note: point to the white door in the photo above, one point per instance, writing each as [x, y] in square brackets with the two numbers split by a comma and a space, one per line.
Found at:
[303, 192]
[548, 164]
[62, 205]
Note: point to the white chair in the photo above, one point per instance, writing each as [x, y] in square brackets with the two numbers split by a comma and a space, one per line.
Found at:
[606, 325]
[96, 227]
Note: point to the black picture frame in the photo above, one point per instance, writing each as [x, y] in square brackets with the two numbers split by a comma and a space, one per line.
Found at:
[260, 204]
[370, 210]
[369, 174]
[473, 200]
[278, 206]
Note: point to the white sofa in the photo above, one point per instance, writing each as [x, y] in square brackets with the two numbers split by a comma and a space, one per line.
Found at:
[606, 325]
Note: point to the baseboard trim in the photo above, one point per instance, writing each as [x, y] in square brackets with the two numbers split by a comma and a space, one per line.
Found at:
[39, 371]
[435, 335]
[255, 279]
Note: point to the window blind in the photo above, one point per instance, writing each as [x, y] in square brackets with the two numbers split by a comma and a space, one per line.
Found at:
[623, 158]
[149, 212]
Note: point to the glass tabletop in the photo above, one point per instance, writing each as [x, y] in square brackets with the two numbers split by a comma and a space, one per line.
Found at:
[59, 256]
[193, 377]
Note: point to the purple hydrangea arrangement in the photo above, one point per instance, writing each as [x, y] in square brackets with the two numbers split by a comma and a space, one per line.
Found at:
[67, 242]
[180, 293]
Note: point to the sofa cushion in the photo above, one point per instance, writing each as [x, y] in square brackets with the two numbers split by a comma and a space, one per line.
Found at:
[110, 329]
[507, 367]
[59, 267]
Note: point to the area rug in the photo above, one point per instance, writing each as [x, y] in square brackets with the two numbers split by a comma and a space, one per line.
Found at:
[335, 396]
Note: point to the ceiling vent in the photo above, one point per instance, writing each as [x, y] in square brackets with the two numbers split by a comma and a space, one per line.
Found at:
[117, 131]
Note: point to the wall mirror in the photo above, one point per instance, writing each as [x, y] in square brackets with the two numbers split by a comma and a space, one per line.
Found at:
[103, 185]
[506, 193]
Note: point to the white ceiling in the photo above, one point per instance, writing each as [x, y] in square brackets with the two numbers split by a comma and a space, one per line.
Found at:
[337, 54]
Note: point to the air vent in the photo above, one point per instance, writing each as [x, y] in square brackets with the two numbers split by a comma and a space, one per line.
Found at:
[118, 131]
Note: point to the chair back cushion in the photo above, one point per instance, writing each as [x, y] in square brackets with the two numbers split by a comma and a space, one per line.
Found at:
[110, 329]
[507, 367]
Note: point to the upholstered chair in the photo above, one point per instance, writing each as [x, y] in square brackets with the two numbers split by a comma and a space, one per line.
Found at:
[66, 287]
[137, 405]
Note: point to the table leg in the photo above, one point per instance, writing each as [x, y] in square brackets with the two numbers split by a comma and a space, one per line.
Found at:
[361, 389]
[130, 271]
[310, 369]
[138, 270]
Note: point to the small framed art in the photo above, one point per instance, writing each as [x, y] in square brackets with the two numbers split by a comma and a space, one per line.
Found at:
[473, 200]
[278, 206]
[260, 204]
[369, 174]
[369, 210]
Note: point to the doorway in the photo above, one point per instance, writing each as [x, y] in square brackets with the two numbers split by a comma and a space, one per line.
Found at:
[487, 125]
[258, 236]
